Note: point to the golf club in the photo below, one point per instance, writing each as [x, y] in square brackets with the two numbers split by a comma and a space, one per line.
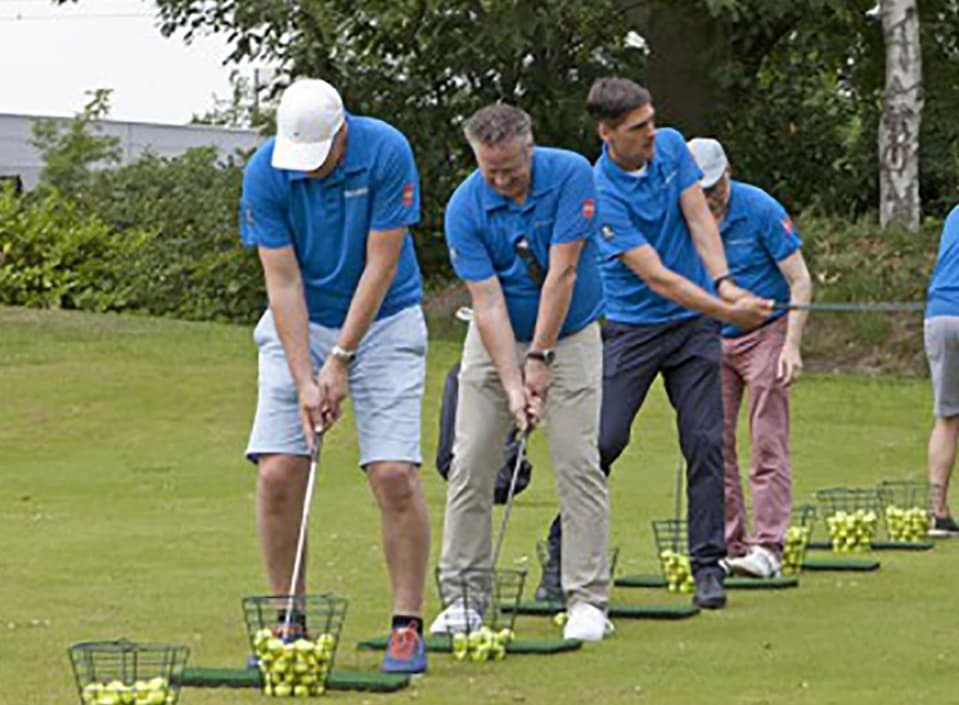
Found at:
[678, 501]
[520, 454]
[893, 307]
[301, 541]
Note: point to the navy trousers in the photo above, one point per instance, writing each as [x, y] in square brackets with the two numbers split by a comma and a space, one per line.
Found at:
[688, 355]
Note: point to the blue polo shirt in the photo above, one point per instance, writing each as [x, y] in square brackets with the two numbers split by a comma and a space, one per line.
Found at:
[328, 220]
[487, 235]
[942, 299]
[641, 209]
[757, 233]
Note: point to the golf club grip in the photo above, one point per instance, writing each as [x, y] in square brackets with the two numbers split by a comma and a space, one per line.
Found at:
[891, 307]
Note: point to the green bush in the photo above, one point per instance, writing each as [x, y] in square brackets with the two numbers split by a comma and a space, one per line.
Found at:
[860, 263]
[195, 265]
[56, 256]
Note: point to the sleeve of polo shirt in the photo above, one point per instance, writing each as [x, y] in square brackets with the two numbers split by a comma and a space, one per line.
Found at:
[616, 232]
[576, 207]
[468, 254]
[778, 234]
[263, 221]
[689, 172]
[395, 187]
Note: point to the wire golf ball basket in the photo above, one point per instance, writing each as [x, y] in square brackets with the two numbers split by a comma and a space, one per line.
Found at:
[295, 640]
[123, 672]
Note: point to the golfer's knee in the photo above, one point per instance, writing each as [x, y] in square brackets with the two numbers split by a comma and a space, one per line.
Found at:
[396, 484]
[278, 485]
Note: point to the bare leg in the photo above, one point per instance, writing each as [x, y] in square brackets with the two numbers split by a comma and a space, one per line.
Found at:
[406, 531]
[280, 489]
[942, 456]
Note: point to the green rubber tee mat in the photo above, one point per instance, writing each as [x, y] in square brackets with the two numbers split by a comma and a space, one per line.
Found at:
[519, 645]
[340, 679]
[655, 580]
[880, 545]
[616, 609]
[839, 564]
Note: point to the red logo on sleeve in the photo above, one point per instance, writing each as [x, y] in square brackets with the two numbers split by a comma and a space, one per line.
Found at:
[589, 208]
[408, 192]
[787, 225]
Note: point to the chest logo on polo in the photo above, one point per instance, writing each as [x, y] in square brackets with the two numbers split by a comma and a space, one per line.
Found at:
[356, 192]
[408, 192]
[589, 207]
[607, 232]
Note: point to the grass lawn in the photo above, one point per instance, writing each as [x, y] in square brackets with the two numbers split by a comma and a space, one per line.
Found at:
[126, 509]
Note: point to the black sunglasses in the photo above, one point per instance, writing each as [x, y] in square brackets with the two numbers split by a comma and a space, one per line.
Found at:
[533, 268]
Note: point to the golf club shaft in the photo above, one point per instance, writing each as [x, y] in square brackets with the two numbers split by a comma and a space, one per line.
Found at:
[304, 522]
[520, 454]
[892, 307]
[678, 499]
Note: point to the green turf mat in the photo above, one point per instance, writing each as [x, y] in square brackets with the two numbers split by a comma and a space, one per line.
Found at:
[880, 545]
[340, 679]
[616, 609]
[519, 645]
[655, 580]
[840, 564]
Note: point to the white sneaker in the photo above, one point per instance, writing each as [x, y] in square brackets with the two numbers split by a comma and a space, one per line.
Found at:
[758, 563]
[587, 623]
[457, 618]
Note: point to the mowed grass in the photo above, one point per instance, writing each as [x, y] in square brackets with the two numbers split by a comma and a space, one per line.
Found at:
[126, 509]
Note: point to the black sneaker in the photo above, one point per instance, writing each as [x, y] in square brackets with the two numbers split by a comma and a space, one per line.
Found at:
[944, 527]
[710, 594]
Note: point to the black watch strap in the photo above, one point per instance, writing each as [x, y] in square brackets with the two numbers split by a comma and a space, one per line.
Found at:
[727, 277]
[544, 356]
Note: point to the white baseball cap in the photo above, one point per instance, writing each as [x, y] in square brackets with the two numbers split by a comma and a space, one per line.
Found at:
[309, 116]
[711, 159]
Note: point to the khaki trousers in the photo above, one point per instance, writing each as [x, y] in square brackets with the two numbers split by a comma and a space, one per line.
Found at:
[572, 430]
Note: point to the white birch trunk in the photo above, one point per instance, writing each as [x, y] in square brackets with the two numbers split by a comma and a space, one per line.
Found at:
[902, 116]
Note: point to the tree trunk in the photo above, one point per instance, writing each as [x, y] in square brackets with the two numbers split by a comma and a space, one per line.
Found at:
[901, 117]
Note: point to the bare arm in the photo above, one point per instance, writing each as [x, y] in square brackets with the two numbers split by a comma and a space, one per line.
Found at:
[705, 234]
[800, 292]
[704, 231]
[491, 318]
[284, 286]
[383, 250]
[382, 260]
[645, 262]
[556, 293]
[288, 304]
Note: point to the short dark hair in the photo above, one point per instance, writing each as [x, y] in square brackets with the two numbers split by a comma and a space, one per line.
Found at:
[497, 123]
[611, 98]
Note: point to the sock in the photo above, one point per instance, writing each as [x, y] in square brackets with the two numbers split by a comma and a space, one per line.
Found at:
[297, 618]
[401, 621]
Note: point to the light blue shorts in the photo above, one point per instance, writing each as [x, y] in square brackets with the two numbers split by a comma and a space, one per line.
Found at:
[386, 383]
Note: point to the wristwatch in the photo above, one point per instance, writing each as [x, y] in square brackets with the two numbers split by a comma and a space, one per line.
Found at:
[544, 356]
[718, 281]
[342, 354]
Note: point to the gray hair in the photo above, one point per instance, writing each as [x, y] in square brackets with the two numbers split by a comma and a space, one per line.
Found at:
[496, 124]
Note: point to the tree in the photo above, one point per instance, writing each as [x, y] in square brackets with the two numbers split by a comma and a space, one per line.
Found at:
[901, 117]
[70, 150]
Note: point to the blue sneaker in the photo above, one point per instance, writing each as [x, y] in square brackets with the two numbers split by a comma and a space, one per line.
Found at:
[405, 652]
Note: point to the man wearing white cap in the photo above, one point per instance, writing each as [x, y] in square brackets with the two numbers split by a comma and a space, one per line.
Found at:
[764, 256]
[328, 204]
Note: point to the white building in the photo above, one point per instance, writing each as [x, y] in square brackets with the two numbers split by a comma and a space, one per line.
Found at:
[19, 158]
